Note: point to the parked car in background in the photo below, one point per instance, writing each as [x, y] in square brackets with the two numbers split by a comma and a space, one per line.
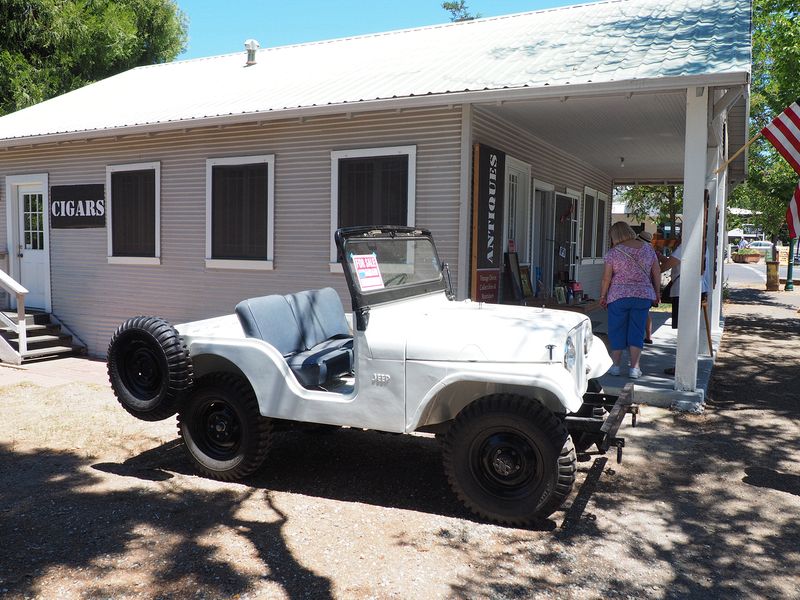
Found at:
[762, 246]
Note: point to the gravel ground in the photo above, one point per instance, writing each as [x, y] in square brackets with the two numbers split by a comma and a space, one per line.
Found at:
[95, 504]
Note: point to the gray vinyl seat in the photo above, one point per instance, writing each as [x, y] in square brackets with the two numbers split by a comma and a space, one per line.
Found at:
[308, 328]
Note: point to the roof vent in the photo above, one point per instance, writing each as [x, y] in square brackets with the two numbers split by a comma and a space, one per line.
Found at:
[251, 46]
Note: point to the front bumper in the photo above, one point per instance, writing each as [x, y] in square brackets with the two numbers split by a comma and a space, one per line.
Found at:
[599, 420]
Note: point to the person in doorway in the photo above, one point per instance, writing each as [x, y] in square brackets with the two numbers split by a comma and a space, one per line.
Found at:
[631, 283]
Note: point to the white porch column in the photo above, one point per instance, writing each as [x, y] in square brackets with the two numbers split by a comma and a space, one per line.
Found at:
[465, 204]
[694, 178]
[710, 248]
[722, 244]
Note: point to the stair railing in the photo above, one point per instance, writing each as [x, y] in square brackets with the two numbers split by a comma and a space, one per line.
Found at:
[14, 288]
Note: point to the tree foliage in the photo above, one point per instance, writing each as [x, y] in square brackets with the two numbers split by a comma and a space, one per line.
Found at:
[459, 11]
[49, 47]
[775, 85]
[659, 203]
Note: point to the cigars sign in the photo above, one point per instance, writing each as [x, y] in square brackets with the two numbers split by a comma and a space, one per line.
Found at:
[489, 167]
[77, 206]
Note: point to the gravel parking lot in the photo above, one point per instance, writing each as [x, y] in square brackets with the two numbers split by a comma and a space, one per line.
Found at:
[94, 504]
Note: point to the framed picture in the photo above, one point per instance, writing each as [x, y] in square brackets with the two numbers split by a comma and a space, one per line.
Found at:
[514, 280]
[525, 278]
[561, 295]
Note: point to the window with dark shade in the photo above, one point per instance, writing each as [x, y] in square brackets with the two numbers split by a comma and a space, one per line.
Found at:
[588, 225]
[133, 213]
[599, 239]
[373, 190]
[240, 211]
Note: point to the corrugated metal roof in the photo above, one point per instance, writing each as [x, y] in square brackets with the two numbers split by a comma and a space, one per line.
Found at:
[617, 40]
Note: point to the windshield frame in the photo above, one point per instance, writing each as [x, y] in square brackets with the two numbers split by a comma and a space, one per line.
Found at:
[362, 299]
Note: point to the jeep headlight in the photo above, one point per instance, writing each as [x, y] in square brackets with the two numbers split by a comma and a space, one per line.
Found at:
[570, 355]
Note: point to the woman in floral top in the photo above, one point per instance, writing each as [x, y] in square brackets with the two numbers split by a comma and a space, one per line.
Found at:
[631, 284]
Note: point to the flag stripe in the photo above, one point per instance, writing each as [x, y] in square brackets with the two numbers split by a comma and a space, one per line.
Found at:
[783, 146]
[784, 133]
[790, 122]
[793, 213]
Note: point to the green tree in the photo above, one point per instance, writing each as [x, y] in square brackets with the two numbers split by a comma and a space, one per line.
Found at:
[659, 203]
[775, 85]
[459, 11]
[49, 47]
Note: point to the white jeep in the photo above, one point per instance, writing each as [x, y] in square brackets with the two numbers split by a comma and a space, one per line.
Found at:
[504, 387]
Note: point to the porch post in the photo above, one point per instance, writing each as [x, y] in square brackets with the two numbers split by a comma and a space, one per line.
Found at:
[465, 205]
[710, 247]
[722, 244]
[694, 178]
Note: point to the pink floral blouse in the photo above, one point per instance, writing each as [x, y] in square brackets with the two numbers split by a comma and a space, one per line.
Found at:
[630, 272]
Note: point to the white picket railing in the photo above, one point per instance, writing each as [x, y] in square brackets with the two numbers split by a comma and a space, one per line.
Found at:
[7, 353]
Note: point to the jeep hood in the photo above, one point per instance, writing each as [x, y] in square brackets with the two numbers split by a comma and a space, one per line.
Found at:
[474, 331]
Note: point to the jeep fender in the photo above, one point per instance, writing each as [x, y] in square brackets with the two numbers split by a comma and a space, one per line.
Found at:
[551, 384]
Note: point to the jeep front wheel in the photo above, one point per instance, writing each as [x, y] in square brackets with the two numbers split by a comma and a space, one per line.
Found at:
[509, 459]
[224, 433]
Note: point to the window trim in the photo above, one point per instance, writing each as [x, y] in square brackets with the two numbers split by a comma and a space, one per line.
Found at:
[133, 260]
[249, 265]
[336, 155]
[598, 195]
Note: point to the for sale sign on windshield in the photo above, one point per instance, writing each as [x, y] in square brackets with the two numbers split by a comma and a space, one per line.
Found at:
[368, 272]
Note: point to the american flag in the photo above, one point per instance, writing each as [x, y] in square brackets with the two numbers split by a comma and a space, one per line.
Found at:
[793, 213]
[784, 133]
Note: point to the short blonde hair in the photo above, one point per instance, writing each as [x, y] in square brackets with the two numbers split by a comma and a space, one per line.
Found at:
[621, 232]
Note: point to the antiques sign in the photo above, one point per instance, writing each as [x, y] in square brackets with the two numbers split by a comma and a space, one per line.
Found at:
[77, 206]
[489, 168]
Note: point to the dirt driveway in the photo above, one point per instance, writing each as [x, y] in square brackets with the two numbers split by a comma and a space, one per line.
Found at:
[94, 504]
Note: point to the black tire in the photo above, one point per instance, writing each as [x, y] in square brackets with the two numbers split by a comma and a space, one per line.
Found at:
[223, 431]
[149, 368]
[509, 459]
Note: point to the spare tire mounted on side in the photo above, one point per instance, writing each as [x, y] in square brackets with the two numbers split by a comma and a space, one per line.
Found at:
[149, 367]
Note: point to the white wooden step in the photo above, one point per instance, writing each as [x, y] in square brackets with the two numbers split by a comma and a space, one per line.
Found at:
[42, 352]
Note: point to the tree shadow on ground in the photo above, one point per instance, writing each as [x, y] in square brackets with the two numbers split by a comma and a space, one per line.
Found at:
[52, 518]
[719, 538]
[347, 465]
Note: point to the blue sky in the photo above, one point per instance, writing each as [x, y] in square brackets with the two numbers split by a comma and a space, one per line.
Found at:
[222, 26]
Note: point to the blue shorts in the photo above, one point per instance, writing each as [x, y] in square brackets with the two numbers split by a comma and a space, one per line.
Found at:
[626, 320]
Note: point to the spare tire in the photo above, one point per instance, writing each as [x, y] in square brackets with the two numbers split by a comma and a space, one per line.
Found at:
[149, 368]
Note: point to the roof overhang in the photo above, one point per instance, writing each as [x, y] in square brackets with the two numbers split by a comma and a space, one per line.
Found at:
[508, 101]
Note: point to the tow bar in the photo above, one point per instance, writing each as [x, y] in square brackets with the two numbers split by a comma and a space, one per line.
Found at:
[599, 420]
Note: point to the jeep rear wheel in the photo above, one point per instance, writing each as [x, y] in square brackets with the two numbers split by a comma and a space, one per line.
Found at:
[224, 433]
[509, 459]
[149, 368]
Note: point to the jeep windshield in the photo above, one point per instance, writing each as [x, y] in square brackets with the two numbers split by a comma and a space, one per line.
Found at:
[383, 264]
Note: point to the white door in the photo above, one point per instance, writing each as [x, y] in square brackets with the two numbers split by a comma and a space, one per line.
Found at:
[32, 253]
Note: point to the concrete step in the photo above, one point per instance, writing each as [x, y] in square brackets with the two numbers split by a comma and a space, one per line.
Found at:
[45, 352]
